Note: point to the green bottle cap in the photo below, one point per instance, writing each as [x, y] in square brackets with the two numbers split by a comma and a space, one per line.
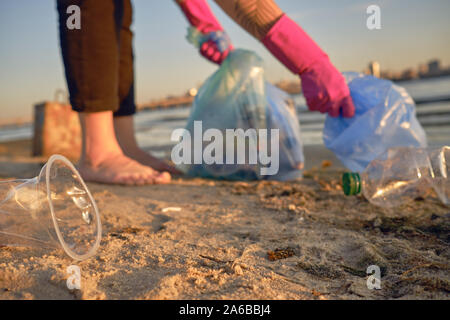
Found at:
[351, 183]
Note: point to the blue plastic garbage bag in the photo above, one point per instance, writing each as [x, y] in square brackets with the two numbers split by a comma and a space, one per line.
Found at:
[385, 117]
[281, 114]
[235, 102]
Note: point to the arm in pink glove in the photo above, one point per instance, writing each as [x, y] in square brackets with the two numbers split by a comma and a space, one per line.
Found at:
[217, 45]
[323, 85]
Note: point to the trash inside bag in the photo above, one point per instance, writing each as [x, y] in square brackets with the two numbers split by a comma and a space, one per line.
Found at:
[281, 114]
[233, 125]
[385, 117]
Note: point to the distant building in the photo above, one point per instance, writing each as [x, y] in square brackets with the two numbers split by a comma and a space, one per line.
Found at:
[374, 68]
[387, 74]
[423, 69]
[409, 74]
[434, 67]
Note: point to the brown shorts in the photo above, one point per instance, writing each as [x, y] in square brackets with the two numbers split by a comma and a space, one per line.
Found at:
[98, 57]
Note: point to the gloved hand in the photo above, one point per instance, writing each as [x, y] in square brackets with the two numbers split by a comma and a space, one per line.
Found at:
[216, 44]
[323, 85]
[325, 89]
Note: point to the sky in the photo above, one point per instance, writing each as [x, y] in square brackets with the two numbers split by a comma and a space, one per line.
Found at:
[412, 32]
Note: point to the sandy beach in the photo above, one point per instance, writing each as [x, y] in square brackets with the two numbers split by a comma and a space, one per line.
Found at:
[240, 240]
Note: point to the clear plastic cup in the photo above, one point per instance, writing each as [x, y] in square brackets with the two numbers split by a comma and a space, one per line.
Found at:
[54, 209]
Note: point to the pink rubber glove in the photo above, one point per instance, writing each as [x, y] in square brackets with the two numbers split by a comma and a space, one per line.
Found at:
[201, 17]
[323, 85]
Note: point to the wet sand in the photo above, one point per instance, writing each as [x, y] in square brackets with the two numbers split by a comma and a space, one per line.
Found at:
[240, 240]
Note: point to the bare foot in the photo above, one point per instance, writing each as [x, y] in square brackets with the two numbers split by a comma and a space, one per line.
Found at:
[102, 158]
[117, 168]
[148, 160]
[124, 128]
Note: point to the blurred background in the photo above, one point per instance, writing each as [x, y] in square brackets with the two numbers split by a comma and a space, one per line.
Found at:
[411, 47]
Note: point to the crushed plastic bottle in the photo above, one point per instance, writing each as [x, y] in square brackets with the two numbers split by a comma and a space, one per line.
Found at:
[402, 174]
[197, 38]
[385, 117]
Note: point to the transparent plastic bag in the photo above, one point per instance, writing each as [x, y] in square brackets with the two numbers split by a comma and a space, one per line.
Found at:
[237, 97]
[281, 115]
[385, 117]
